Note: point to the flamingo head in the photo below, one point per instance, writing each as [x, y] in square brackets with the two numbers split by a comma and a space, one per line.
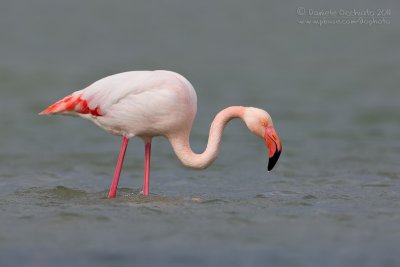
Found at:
[260, 123]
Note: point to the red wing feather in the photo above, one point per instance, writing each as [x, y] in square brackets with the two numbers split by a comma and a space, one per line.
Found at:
[70, 104]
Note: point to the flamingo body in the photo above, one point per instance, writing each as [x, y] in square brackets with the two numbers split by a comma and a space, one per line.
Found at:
[135, 103]
[158, 103]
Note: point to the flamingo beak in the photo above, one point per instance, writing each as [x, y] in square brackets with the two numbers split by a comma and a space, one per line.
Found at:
[274, 146]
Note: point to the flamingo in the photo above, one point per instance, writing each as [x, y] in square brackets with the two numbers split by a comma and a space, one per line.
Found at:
[147, 104]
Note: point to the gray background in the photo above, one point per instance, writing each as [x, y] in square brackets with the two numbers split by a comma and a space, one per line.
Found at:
[332, 90]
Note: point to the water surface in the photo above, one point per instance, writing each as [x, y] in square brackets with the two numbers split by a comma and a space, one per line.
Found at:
[332, 200]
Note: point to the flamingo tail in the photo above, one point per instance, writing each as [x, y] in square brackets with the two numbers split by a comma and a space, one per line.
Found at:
[69, 105]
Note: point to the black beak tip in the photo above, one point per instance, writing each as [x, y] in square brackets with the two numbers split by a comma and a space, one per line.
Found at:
[273, 160]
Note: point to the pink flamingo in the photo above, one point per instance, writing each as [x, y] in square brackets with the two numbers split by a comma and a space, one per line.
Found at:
[158, 103]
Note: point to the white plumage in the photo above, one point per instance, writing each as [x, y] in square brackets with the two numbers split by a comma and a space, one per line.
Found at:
[158, 103]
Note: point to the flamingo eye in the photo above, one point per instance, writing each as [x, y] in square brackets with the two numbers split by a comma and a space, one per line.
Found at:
[263, 123]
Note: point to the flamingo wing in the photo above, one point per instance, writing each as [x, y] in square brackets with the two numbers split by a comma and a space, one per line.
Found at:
[133, 103]
[98, 97]
[71, 104]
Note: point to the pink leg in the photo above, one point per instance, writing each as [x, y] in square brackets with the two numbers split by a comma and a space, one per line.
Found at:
[113, 189]
[146, 178]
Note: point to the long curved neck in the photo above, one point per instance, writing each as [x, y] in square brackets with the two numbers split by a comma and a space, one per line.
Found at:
[181, 145]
